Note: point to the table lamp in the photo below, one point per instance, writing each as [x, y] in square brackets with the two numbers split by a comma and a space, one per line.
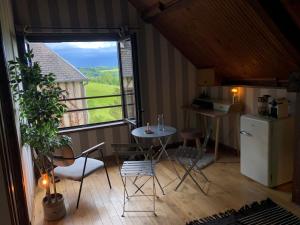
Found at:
[234, 92]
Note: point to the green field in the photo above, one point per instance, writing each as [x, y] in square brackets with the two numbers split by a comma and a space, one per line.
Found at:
[103, 81]
[104, 75]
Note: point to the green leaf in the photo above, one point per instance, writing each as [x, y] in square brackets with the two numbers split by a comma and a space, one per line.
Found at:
[40, 108]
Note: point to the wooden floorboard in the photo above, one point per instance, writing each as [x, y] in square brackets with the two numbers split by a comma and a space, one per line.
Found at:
[102, 206]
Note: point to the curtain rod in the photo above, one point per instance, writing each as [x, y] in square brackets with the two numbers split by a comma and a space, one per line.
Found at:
[45, 29]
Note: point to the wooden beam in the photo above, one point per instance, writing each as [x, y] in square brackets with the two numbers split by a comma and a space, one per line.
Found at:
[153, 12]
[149, 14]
[261, 82]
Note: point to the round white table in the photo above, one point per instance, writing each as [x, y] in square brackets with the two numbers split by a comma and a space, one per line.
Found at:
[157, 133]
[163, 136]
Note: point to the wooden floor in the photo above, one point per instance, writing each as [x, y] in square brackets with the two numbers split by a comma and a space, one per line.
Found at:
[102, 206]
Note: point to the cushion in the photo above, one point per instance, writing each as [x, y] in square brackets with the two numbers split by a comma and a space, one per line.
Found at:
[206, 160]
[203, 162]
[74, 171]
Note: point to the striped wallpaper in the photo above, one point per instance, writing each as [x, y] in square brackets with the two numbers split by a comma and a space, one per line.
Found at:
[167, 78]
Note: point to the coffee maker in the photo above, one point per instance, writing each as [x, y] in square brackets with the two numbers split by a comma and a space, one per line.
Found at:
[263, 105]
[279, 108]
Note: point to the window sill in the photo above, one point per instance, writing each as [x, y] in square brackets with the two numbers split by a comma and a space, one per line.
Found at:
[92, 127]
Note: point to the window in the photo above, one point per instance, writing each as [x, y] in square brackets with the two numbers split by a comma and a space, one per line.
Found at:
[98, 78]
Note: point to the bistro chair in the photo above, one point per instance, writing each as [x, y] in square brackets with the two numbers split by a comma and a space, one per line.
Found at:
[132, 169]
[194, 159]
[77, 168]
[131, 126]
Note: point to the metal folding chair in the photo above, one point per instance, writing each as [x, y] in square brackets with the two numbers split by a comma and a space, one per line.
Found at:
[132, 169]
[194, 159]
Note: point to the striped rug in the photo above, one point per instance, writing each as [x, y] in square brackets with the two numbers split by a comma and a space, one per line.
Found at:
[265, 212]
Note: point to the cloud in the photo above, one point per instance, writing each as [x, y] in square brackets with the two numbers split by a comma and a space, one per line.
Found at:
[93, 44]
[85, 45]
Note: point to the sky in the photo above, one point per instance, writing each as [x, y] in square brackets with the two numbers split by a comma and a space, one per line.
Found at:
[87, 54]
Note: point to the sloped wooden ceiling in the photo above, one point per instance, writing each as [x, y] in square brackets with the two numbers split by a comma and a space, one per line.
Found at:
[293, 8]
[237, 37]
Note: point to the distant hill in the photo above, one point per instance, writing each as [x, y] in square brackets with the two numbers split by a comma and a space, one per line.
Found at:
[102, 74]
[99, 71]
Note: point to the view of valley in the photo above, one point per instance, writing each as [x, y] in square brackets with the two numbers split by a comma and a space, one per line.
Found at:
[102, 81]
[98, 61]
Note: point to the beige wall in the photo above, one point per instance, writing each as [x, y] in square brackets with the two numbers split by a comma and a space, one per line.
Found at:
[167, 78]
[11, 53]
[229, 128]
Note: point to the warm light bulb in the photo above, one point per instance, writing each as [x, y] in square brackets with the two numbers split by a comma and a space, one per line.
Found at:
[44, 181]
[234, 90]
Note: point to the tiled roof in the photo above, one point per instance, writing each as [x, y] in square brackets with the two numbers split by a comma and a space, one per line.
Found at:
[50, 62]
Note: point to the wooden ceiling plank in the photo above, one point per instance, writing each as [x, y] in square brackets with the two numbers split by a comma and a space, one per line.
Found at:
[236, 37]
[232, 54]
[255, 46]
[269, 38]
[293, 7]
[269, 23]
[233, 24]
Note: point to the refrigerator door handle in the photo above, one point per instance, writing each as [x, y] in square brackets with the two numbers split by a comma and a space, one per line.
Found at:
[245, 133]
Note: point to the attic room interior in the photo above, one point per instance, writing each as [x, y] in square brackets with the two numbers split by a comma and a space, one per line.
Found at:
[149, 112]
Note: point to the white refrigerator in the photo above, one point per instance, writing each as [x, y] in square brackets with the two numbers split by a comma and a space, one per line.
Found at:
[267, 147]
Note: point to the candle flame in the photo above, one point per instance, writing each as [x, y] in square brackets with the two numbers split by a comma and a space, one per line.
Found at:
[234, 90]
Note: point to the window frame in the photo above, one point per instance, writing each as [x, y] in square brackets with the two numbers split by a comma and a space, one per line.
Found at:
[137, 122]
[84, 37]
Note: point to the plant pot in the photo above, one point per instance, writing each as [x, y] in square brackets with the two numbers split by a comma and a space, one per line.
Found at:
[54, 209]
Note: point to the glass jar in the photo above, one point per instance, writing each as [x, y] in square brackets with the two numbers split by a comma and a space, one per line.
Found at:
[160, 122]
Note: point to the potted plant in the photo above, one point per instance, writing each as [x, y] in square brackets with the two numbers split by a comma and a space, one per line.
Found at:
[41, 110]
